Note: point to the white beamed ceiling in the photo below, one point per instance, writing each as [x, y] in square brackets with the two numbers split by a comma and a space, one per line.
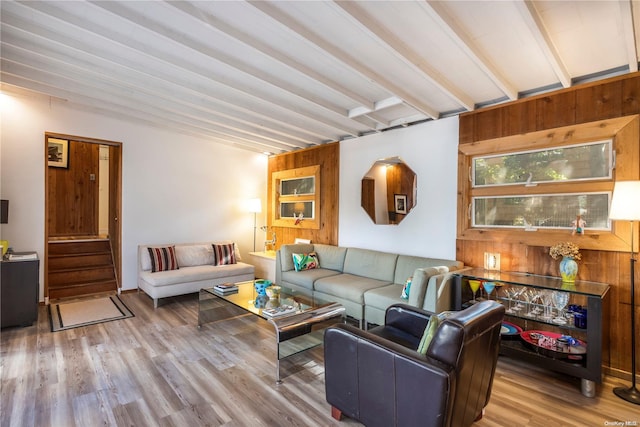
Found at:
[277, 76]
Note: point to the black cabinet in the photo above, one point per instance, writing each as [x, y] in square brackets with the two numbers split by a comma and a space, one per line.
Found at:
[589, 295]
[19, 292]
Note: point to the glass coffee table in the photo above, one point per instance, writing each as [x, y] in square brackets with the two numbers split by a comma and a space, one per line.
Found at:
[299, 329]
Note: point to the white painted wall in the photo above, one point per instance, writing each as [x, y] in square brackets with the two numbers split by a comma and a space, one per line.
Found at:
[176, 188]
[430, 149]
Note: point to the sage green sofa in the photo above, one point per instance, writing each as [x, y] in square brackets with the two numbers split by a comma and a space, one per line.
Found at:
[366, 282]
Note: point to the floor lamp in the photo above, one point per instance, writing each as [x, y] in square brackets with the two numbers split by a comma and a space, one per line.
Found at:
[254, 206]
[625, 205]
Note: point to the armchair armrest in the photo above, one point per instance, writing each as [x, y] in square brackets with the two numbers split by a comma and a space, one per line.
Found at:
[407, 318]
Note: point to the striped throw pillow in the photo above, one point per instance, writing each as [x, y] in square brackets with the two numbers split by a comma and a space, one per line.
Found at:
[224, 254]
[163, 259]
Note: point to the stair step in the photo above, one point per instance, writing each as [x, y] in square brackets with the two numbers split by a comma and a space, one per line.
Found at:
[79, 267]
[80, 275]
[78, 247]
[65, 262]
[79, 289]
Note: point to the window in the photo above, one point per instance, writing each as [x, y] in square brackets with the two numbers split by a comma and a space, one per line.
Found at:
[560, 165]
[552, 211]
[530, 188]
[298, 186]
[296, 199]
[589, 161]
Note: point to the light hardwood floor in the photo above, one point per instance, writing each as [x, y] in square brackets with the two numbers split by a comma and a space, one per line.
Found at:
[158, 369]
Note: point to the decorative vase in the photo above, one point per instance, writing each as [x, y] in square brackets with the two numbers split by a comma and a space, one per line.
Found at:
[568, 269]
[261, 285]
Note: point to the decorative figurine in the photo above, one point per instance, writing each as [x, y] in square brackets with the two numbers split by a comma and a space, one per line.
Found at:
[578, 225]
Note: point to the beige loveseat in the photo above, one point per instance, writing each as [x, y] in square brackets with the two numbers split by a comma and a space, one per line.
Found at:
[366, 282]
[196, 271]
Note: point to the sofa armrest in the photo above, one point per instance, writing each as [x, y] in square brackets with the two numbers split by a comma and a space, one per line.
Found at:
[439, 294]
[422, 279]
[375, 380]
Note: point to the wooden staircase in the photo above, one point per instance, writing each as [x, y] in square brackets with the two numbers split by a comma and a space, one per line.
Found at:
[78, 268]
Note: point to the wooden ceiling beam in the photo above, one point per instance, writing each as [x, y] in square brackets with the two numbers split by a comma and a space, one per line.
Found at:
[626, 16]
[263, 48]
[359, 17]
[344, 57]
[539, 31]
[455, 32]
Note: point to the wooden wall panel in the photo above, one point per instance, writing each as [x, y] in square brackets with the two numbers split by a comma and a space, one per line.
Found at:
[616, 97]
[519, 118]
[73, 196]
[555, 110]
[630, 96]
[599, 102]
[328, 157]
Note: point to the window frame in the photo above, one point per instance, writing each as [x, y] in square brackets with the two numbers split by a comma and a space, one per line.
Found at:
[278, 199]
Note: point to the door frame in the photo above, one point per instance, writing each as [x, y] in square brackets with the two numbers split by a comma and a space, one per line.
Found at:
[115, 202]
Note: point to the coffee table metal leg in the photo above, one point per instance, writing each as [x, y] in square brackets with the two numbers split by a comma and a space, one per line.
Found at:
[278, 380]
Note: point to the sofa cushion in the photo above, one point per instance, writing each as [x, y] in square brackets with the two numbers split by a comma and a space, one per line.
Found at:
[195, 273]
[384, 296]
[371, 264]
[306, 278]
[348, 286]
[223, 254]
[163, 258]
[190, 255]
[331, 257]
[303, 262]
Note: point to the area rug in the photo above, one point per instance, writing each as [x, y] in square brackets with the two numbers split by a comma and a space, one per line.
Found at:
[78, 313]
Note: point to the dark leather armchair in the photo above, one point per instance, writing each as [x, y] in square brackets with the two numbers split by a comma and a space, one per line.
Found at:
[378, 377]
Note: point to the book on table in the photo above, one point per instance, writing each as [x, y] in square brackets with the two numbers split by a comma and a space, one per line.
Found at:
[226, 288]
[279, 311]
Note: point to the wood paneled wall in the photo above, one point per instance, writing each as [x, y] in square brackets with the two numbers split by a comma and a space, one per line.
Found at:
[612, 98]
[73, 196]
[327, 156]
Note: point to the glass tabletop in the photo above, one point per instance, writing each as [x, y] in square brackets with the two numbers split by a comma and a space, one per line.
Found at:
[248, 299]
[548, 282]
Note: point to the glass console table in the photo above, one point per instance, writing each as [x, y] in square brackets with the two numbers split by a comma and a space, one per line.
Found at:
[532, 318]
[298, 331]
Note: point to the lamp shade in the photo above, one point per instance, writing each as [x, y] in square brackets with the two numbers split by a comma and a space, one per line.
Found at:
[625, 203]
[254, 206]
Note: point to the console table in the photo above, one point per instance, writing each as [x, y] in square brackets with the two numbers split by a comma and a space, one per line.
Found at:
[587, 294]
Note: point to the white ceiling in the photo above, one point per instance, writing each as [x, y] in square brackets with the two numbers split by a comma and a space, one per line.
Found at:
[276, 76]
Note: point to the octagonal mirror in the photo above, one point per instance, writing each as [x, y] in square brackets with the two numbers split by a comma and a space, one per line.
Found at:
[389, 191]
